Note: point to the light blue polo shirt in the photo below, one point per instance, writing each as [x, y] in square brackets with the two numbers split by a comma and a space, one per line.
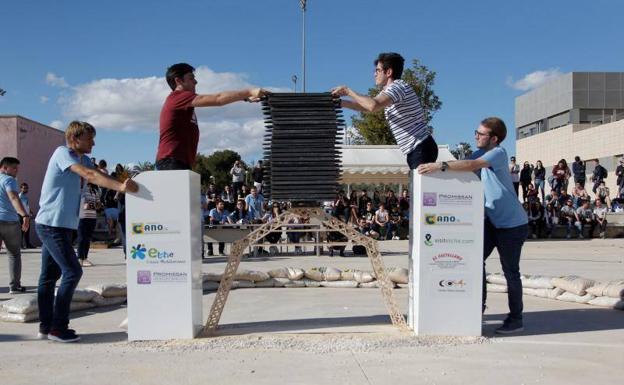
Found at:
[59, 205]
[7, 211]
[502, 206]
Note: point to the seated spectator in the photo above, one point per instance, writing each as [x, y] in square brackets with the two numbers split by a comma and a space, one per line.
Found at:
[365, 228]
[382, 221]
[270, 217]
[391, 200]
[240, 215]
[602, 193]
[336, 236]
[364, 199]
[353, 207]
[398, 224]
[218, 216]
[368, 214]
[254, 203]
[579, 194]
[551, 219]
[376, 198]
[294, 236]
[531, 194]
[228, 197]
[559, 176]
[536, 218]
[564, 197]
[553, 199]
[568, 217]
[600, 218]
[341, 207]
[242, 192]
[585, 218]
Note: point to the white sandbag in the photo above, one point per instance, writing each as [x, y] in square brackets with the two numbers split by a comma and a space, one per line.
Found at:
[311, 283]
[22, 304]
[537, 281]
[251, 275]
[298, 283]
[124, 324]
[402, 286]
[347, 275]
[282, 272]
[77, 306]
[572, 297]
[604, 301]
[214, 277]
[16, 317]
[210, 285]
[266, 283]
[615, 289]
[242, 285]
[494, 288]
[110, 290]
[573, 284]
[342, 284]
[496, 279]
[556, 292]
[82, 295]
[281, 282]
[100, 301]
[398, 274]
[598, 288]
[363, 276]
[542, 293]
[295, 273]
[323, 274]
[370, 285]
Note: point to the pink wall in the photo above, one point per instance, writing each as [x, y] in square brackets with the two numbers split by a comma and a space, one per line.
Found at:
[8, 146]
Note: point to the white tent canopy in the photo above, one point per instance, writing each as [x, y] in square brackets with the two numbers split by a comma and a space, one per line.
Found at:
[379, 164]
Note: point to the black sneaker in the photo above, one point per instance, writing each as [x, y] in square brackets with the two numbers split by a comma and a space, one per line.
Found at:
[17, 290]
[510, 326]
[68, 335]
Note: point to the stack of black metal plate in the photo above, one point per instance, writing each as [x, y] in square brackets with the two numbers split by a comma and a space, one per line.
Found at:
[301, 151]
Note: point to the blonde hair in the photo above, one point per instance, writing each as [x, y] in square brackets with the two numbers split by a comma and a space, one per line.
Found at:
[76, 129]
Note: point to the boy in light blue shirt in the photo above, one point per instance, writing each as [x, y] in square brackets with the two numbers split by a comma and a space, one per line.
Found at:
[506, 222]
[69, 169]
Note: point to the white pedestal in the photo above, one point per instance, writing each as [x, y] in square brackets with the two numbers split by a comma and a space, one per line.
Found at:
[446, 254]
[163, 233]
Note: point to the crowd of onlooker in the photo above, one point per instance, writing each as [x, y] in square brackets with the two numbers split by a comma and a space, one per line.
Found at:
[567, 202]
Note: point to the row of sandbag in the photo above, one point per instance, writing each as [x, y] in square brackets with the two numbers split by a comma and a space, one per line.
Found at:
[312, 277]
[24, 308]
[571, 288]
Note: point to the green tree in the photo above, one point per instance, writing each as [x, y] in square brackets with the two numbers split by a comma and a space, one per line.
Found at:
[143, 166]
[462, 150]
[373, 126]
[216, 167]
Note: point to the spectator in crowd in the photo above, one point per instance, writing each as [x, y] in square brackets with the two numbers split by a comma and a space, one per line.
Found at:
[569, 217]
[397, 222]
[564, 196]
[121, 203]
[514, 170]
[364, 227]
[568, 175]
[240, 215]
[257, 174]
[585, 216]
[404, 203]
[579, 169]
[525, 179]
[212, 190]
[403, 111]
[553, 199]
[603, 194]
[539, 173]
[551, 219]
[382, 221]
[353, 207]
[391, 200]
[255, 205]
[579, 194]
[559, 176]
[11, 209]
[619, 173]
[228, 197]
[238, 176]
[295, 236]
[57, 219]
[179, 132]
[102, 166]
[242, 193]
[598, 175]
[364, 199]
[23, 196]
[111, 212]
[90, 205]
[369, 214]
[211, 200]
[376, 198]
[218, 216]
[341, 207]
[600, 218]
[532, 194]
[270, 217]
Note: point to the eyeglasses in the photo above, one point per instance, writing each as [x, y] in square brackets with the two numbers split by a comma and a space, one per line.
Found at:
[480, 133]
[378, 70]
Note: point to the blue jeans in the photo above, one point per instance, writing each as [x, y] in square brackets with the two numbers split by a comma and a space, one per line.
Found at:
[539, 186]
[85, 231]
[58, 259]
[509, 243]
[425, 152]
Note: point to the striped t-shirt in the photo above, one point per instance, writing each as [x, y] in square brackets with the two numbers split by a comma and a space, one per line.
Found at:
[405, 116]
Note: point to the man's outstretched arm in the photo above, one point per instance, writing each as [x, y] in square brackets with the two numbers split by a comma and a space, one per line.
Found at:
[227, 97]
[362, 102]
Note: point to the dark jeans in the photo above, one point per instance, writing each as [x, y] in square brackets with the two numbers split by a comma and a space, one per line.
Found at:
[509, 243]
[425, 152]
[58, 259]
[171, 164]
[26, 235]
[10, 233]
[85, 231]
[221, 248]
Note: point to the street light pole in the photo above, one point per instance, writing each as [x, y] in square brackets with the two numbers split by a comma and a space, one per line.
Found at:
[303, 8]
[294, 80]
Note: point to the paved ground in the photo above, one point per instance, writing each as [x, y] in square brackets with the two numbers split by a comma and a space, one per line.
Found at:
[321, 335]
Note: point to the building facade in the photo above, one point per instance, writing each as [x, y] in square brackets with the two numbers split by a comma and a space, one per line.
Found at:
[33, 144]
[577, 114]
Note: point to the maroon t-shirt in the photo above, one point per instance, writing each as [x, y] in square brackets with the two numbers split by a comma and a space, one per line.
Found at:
[179, 133]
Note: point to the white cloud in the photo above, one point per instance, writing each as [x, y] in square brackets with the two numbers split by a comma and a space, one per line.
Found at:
[43, 99]
[56, 124]
[134, 105]
[55, 81]
[534, 79]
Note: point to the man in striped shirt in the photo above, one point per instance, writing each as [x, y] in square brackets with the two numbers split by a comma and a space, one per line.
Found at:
[402, 109]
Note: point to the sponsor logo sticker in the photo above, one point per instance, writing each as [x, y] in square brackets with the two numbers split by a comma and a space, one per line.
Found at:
[453, 199]
[446, 219]
[146, 228]
[144, 277]
[152, 255]
[430, 199]
[430, 240]
[447, 261]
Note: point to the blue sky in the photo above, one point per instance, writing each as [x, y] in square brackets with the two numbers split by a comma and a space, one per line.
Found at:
[105, 61]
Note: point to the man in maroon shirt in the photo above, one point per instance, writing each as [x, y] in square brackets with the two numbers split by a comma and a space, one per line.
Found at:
[179, 133]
